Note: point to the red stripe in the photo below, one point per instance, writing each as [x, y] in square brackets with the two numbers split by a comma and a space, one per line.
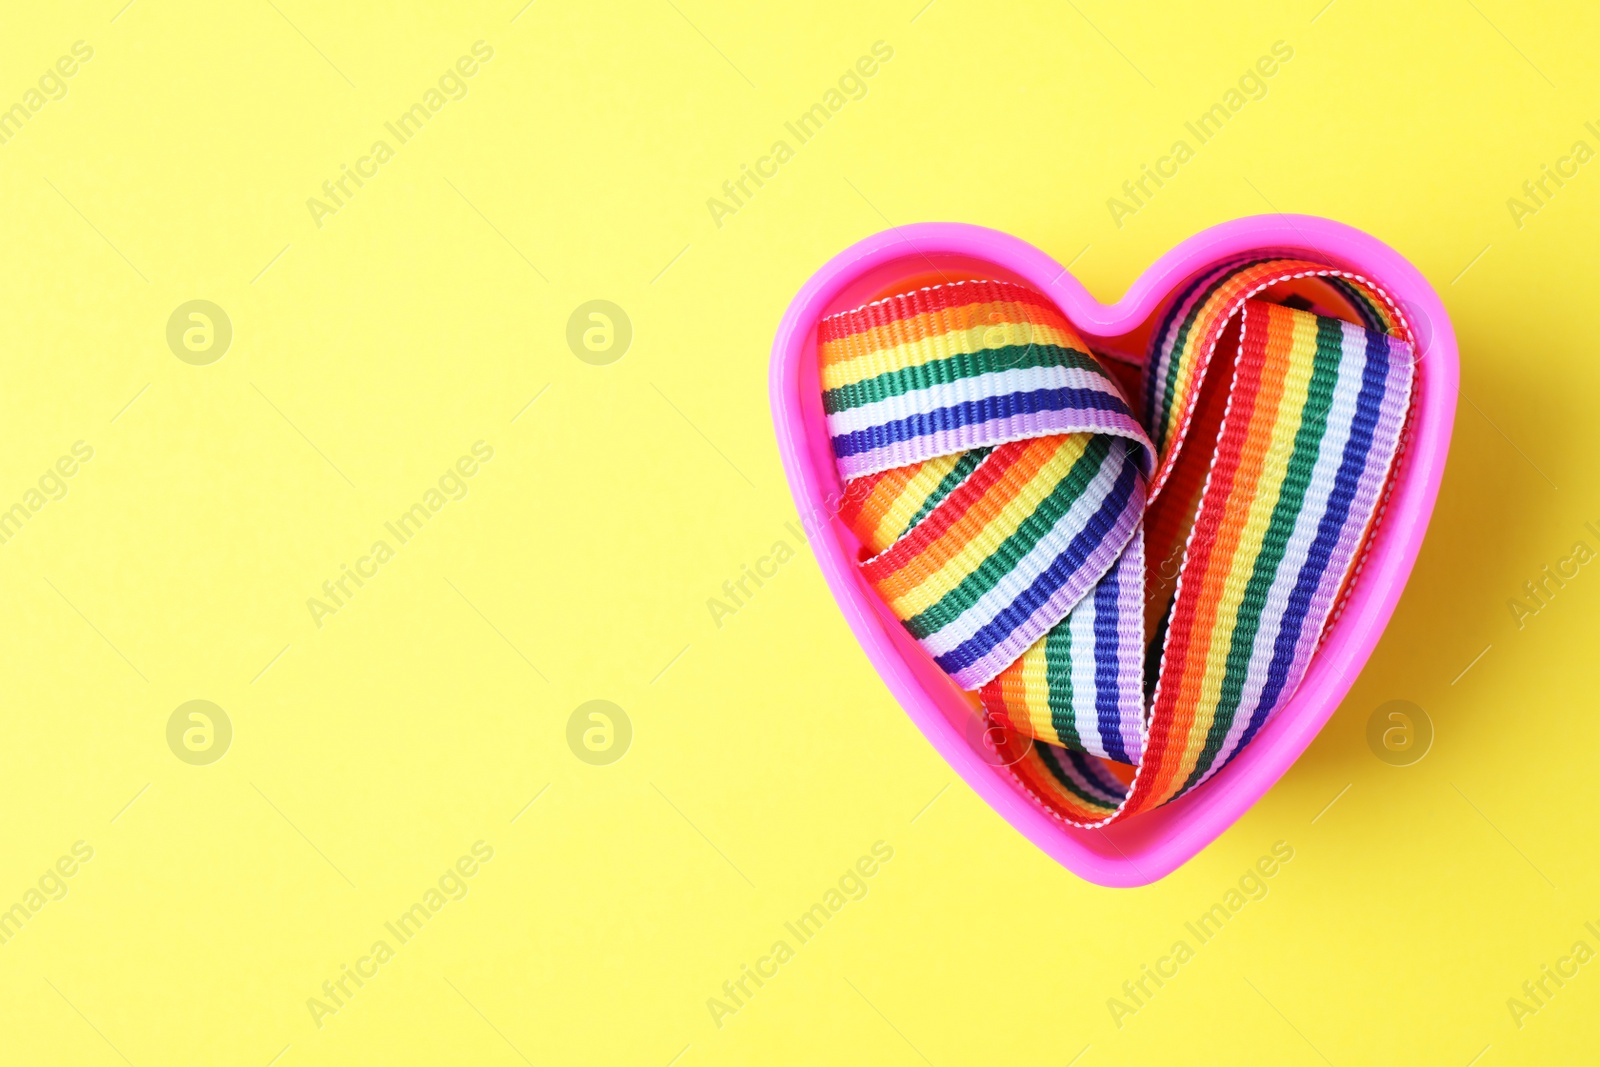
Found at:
[948, 513]
[927, 301]
[1170, 721]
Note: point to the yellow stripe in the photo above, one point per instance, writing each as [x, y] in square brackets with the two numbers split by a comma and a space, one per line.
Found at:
[854, 368]
[1024, 695]
[1037, 693]
[936, 584]
[897, 516]
[1186, 367]
[1286, 424]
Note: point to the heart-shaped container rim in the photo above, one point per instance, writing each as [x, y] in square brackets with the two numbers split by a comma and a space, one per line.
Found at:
[1149, 846]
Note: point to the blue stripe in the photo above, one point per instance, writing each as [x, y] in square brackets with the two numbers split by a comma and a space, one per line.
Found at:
[970, 412]
[1364, 305]
[1162, 341]
[1215, 280]
[1014, 614]
[1051, 756]
[1108, 664]
[1115, 792]
[1369, 405]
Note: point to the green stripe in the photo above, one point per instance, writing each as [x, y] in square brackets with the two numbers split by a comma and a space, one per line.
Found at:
[1366, 306]
[1158, 423]
[1005, 557]
[1291, 499]
[1155, 651]
[948, 484]
[1058, 678]
[1071, 786]
[1094, 770]
[952, 369]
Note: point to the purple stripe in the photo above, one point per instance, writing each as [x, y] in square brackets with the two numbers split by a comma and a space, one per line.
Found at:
[995, 431]
[1176, 314]
[1129, 576]
[1108, 666]
[1053, 593]
[1339, 530]
[967, 412]
[1091, 771]
[1083, 771]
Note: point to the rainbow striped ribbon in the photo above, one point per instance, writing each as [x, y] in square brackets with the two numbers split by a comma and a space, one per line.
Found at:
[1136, 609]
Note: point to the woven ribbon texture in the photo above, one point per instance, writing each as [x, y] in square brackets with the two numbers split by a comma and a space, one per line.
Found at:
[1132, 609]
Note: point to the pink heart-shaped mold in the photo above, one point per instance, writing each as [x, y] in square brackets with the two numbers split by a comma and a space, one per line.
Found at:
[1149, 846]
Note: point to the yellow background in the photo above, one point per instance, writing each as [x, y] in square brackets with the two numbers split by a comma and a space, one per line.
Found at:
[368, 354]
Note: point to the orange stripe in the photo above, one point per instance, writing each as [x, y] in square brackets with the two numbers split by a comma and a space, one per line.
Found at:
[1032, 771]
[1033, 456]
[946, 514]
[1225, 544]
[1230, 292]
[1007, 694]
[886, 487]
[926, 324]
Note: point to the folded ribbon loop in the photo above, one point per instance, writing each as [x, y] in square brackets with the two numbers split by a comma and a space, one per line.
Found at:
[1009, 496]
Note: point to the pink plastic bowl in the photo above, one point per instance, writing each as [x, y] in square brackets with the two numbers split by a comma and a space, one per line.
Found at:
[1150, 846]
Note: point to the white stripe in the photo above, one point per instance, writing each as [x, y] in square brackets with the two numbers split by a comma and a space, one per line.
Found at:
[1035, 563]
[1130, 647]
[1051, 423]
[1099, 559]
[948, 394]
[1129, 694]
[1166, 349]
[1084, 691]
[1064, 763]
[1341, 423]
